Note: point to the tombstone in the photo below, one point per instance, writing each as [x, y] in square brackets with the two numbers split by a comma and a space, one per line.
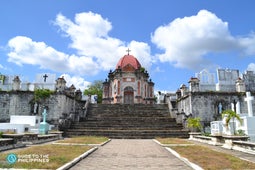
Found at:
[249, 79]
[248, 120]
[249, 100]
[21, 124]
[227, 80]
[31, 120]
[44, 126]
[45, 81]
[216, 128]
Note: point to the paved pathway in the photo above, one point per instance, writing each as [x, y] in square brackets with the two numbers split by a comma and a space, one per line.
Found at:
[132, 154]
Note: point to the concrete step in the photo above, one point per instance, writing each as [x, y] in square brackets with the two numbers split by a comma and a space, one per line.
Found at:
[131, 133]
[128, 121]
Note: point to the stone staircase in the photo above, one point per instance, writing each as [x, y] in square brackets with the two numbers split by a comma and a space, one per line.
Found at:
[128, 121]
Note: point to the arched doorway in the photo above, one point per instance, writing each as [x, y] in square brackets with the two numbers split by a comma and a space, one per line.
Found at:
[128, 95]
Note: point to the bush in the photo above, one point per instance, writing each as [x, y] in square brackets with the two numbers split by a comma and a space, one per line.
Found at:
[1, 133]
[194, 124]
[240, 132]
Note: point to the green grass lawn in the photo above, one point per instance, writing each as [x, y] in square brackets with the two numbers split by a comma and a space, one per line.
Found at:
[173, 141]
[84, 140]
[49, 156]
[207, 158]
[211, 159]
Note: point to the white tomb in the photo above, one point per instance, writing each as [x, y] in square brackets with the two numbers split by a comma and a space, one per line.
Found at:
[247, 125]
[45, 81]
[21, 124]
[248, 120]
[216, 128]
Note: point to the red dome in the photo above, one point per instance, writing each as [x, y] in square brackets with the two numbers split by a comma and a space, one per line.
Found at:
[128, 59]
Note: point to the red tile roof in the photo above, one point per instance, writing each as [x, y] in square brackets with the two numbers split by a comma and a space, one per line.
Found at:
[128, 59]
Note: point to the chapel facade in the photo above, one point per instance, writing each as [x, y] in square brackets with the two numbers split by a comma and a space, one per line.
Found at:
[129, 83]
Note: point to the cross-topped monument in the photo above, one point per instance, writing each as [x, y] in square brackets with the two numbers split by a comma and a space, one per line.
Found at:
[249, 99]
[45, 77]
[128, 50]
[44, 115]
[44, 126]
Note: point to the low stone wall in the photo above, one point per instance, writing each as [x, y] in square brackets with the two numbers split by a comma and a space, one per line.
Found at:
[6, 141]
[9, 143]
[12, 141]
[239, 143]
[244, 146]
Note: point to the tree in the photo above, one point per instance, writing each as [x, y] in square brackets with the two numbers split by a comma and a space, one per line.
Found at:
[96, 88]
[230, 114]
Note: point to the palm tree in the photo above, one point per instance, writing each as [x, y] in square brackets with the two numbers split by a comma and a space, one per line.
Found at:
[230, 114]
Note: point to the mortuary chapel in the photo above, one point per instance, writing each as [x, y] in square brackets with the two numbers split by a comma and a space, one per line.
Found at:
[129, 83]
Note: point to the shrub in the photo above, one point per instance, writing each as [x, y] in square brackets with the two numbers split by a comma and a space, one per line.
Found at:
[240, 132]
[194, 124]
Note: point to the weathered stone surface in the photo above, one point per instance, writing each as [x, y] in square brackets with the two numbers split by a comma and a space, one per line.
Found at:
[21, 103]
[205, 104]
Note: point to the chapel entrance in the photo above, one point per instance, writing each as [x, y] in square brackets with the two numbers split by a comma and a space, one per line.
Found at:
[128, 95]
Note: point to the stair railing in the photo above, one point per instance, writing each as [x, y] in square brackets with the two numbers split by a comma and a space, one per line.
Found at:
[86, 106]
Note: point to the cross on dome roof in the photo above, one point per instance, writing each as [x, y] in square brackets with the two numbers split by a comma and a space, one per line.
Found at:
[128, 59]
[128, 50]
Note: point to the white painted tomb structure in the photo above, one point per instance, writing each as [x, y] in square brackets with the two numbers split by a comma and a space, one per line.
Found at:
[21, 124]
[248, 121]
[247, 125]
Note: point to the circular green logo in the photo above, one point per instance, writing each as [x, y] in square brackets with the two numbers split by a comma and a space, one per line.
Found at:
[11, 158]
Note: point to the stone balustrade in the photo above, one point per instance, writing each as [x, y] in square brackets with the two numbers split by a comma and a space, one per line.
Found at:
[229, 142]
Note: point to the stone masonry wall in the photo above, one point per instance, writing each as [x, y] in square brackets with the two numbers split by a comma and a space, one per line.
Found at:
[205, 104]
[20, 103]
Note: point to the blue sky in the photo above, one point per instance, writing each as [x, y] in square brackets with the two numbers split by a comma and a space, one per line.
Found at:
[84, 39]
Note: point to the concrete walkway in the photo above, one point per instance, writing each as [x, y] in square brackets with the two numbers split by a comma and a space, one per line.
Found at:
[132, 154]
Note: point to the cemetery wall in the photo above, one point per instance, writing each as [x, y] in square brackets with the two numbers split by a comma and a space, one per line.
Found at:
[20, 103]
[14, 103]
[206, 104]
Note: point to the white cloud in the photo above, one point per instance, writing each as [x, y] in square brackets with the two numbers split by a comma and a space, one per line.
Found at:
[186, 41]
[247, 44]
[26, 51]
[96, 50]
[89, 35]
[251, 67]
[77, 81]
[158, 70]
[142, 52]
